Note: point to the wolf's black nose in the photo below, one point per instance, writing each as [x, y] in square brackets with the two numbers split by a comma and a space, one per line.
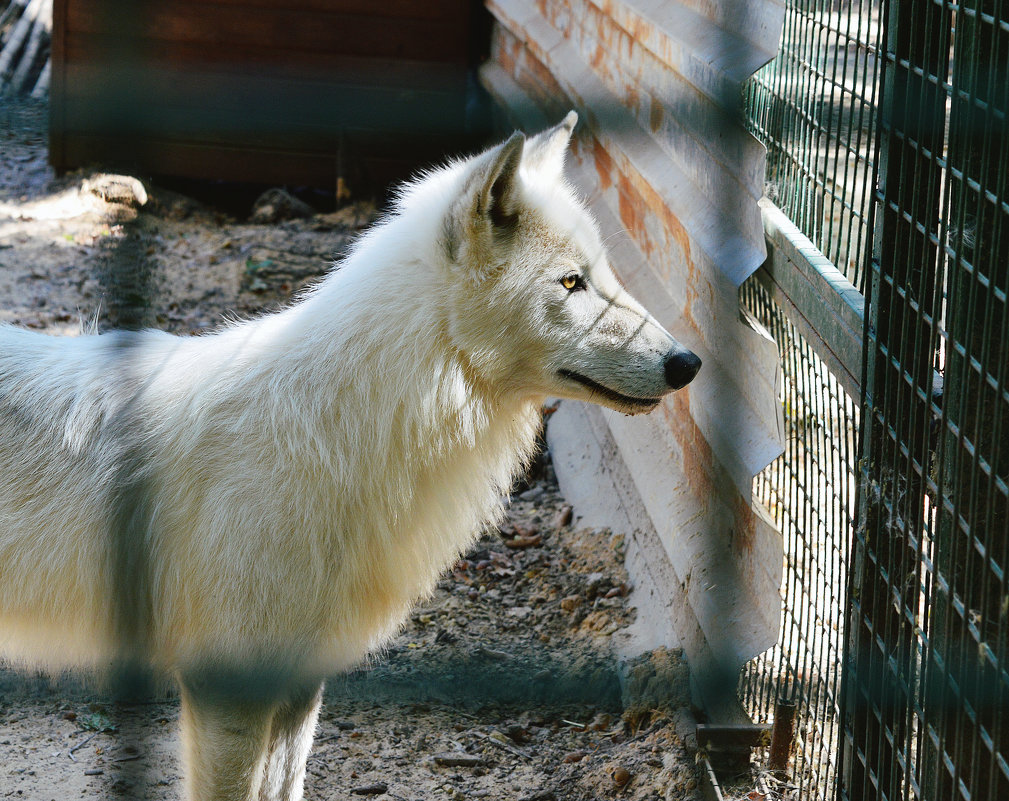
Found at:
[681, 367]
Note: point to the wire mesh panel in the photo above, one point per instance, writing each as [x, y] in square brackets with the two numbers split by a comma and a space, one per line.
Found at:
[927, 693]
[814, 107]
[810, 492]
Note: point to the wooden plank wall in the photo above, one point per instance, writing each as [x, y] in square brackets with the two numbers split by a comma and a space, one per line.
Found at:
[661, 154]
[258, 91]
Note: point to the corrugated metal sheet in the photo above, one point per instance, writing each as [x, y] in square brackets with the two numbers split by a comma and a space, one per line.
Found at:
[661, 154]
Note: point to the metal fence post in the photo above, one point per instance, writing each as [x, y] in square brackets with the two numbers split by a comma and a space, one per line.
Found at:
[900, 345]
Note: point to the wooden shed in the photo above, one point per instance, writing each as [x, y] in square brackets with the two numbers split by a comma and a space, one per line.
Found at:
[249, 90]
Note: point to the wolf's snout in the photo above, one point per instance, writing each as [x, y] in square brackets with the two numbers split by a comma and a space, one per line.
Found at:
[681, 367]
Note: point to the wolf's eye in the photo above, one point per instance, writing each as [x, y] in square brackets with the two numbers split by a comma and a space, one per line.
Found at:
[573, 281]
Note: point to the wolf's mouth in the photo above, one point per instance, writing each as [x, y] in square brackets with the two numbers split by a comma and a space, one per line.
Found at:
[606, 392]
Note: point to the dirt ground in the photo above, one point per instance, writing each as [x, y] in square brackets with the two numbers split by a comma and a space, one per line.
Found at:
[504, 685]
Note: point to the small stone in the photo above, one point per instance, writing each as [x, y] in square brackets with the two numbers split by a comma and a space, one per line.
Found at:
[354, 216]
[532, 494]
[276, 205]
[601, 722]
[621, 776]
[460, 760]
[517, 543]
[594, 583]
[371, 789]
[445, 637]
[563, 516]
[492, 653]
[571, 602]
[498, 737]
[518, 733]
[122, 190]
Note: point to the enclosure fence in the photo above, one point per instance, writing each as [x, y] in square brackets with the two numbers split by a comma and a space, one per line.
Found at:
[928, 644]
[815, 109]
[809, 491]
[885, 125]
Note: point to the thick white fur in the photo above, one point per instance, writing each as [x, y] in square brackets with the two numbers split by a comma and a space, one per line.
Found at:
[285, 488]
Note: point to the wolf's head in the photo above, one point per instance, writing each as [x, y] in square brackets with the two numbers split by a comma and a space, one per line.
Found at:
[533, 302]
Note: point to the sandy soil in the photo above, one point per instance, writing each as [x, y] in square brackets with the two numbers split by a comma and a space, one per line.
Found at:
[504, 685]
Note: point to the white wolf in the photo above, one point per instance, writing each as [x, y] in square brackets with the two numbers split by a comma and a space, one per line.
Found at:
[250, 510]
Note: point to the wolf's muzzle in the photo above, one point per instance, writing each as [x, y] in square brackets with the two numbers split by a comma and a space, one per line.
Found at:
[681, 367]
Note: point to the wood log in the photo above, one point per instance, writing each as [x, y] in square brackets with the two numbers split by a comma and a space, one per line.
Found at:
[12, 11]
[19, 38]
[36, 48]
[16, 40]
[42, 84]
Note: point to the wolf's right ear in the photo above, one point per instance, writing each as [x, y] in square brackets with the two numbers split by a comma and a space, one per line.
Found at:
[489, 204]
[496, 199]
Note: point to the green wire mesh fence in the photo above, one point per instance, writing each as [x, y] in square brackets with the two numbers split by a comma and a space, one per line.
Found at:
[927, 653]
[810, 493]
[814, 107]
[887, 145]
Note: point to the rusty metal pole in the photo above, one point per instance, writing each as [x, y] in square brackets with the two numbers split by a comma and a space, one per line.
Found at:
[782, 736]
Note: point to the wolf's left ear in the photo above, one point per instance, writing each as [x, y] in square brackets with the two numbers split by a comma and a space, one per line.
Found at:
[546, 150]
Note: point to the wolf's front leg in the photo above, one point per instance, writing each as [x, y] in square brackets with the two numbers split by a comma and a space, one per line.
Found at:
[291, 734]
[225, 738]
